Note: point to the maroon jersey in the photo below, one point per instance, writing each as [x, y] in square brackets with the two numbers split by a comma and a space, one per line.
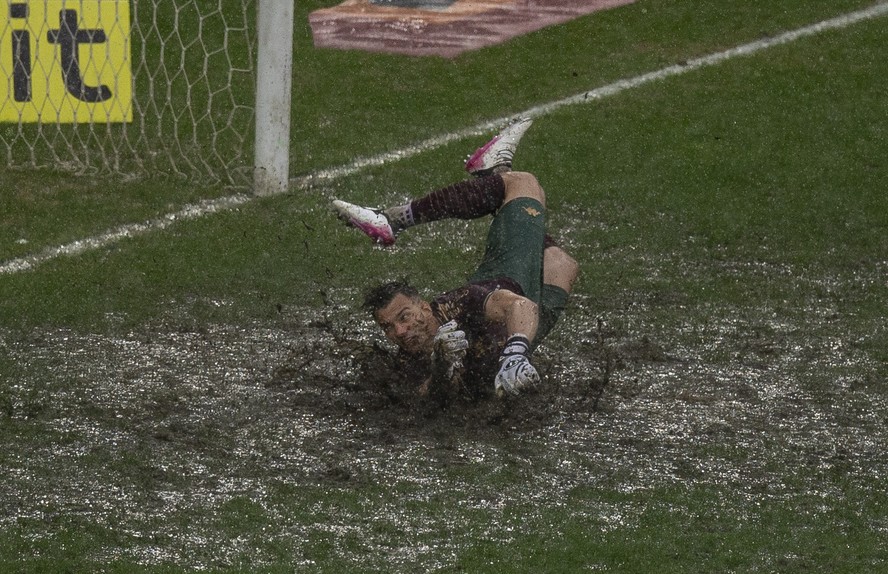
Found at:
[486, 339]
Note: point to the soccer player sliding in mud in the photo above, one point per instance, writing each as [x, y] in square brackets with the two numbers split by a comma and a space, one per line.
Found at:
[476, 339]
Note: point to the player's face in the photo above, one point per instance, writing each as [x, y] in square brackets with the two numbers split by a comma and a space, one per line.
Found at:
[408, 323]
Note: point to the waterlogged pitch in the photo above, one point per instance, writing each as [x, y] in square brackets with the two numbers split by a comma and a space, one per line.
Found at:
[188, 383]
[227, 445]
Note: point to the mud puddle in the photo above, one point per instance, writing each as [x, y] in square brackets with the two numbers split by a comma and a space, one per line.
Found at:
[152, 433]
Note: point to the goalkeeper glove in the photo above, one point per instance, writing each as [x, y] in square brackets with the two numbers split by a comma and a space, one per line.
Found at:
[449, 346]
[515, 373]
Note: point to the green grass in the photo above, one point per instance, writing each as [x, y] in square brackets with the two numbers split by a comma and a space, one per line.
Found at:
[748, 197]
[679, 531]
[351, 104]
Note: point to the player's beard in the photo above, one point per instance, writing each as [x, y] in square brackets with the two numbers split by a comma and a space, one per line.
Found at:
[412, 344]
[419, 339]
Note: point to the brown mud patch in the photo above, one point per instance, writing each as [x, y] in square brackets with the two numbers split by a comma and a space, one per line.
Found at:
[152, 433]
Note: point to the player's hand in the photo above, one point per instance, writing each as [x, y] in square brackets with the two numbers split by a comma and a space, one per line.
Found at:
[515, 375]
[450, 346]
[450, 342]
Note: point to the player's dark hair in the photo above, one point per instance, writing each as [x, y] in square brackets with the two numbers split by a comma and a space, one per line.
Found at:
[380, 296]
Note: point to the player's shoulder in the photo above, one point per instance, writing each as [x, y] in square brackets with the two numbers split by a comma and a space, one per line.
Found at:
[469, 299]
[459, 303]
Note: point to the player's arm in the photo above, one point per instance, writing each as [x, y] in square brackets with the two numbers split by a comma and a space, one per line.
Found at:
[518, 313]
[521, 317]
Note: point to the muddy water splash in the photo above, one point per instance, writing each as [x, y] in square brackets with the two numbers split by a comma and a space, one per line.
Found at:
[161, 434]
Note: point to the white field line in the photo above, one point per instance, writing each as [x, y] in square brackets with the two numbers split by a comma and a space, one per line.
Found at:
[212, 206]
[124, 231]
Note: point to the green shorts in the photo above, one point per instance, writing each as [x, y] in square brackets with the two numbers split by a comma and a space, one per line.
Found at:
[515, 244]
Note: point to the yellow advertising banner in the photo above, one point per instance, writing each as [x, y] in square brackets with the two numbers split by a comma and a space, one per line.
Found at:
[65, 61]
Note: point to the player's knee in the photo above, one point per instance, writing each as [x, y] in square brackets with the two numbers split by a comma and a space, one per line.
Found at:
[559, 268]
[523, 307]
[523, 184]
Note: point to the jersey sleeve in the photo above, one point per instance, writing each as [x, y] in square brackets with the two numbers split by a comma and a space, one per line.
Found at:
[466, 304]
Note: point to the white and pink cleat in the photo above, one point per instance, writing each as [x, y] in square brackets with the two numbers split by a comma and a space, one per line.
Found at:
[496, 155]
[373, 223]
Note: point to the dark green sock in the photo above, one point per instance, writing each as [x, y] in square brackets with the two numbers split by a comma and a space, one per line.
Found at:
[552, 304]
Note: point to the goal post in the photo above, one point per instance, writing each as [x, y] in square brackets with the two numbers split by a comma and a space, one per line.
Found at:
[273, 96]
[139, 88]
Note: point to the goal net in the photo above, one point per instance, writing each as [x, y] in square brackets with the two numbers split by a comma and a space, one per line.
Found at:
[130, 87]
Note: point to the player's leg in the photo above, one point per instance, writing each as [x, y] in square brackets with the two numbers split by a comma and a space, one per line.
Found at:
[515, 249]
[560, 271]
[495, 184]
[469, 199]
[516, 237]
[559, 268]
[521, 184]
[518, 247]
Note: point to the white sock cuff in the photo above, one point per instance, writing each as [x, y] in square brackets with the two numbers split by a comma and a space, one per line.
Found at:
[517, 344]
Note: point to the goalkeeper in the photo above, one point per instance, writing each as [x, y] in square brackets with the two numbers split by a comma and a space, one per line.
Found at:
[484, 331]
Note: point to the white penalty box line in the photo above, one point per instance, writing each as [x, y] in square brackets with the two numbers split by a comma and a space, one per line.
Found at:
[209, 207]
